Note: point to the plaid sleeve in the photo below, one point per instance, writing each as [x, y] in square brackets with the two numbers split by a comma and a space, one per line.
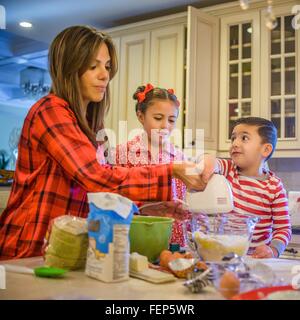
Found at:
[56, 130]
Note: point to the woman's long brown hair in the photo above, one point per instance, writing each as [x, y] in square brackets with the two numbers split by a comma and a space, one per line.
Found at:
[70, 55]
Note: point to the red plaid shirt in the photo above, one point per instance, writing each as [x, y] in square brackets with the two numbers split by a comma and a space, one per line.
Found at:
[137, 150]
[56, 167]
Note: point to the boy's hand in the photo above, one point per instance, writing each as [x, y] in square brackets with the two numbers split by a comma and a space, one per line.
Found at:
[264, 251]
[209, 169]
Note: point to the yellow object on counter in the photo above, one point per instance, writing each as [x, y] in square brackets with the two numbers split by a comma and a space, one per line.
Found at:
[137, 262]
[68, 243]
[214, 247]
[139, 268]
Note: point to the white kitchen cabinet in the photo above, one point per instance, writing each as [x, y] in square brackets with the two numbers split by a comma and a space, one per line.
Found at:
[161, 51]
[259, 74]
[133, 55]
[280, 56]
[155, 56]
[202, 80]
[167, 63]
[239, 71]
[134, 71]
[218, 61]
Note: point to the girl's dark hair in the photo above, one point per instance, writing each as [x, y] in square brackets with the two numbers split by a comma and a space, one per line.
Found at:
[266, 130]
[155, 93]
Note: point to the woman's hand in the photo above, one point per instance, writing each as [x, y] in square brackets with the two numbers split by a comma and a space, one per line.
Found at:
[187, 172]
[172, 209]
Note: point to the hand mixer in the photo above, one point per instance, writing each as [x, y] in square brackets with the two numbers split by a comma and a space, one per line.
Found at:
[216, 198]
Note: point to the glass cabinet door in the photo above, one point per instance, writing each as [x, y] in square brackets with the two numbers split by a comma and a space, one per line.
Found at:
[283, 71]
[240, 72]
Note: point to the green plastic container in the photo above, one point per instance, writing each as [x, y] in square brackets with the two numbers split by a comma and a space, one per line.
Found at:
[149, 236]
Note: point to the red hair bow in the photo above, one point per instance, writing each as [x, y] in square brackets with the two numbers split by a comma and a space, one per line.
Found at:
[171, 91]
[142, 95]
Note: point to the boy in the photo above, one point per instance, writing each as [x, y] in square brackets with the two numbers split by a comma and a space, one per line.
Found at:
[255, 189]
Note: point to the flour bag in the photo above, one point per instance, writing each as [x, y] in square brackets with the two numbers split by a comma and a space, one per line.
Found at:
[108, 231]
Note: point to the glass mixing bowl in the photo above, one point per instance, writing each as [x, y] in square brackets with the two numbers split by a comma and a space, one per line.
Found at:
[213, 237]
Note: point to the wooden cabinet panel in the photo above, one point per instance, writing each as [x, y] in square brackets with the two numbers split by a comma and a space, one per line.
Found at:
[134, 71]
[167, 63]
[202, 77]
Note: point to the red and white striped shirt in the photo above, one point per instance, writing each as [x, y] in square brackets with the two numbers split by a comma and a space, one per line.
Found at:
[263, 198]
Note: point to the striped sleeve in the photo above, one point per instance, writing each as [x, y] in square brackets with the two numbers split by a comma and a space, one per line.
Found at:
[56, 131]
[224, 166]
[281, 234]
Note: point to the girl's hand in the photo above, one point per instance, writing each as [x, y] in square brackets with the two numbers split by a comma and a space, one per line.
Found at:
[172, 209]
[264, 251]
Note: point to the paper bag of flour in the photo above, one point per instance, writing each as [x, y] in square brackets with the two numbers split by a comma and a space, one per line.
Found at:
[108, 231]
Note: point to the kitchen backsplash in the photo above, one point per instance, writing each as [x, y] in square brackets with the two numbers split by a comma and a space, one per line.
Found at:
[288, 170]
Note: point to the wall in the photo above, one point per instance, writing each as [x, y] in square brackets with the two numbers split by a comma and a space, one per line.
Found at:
[10, 117]
[288, 169]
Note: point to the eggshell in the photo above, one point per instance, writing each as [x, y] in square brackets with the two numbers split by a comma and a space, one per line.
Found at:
[166, 256]
[201, 265]
[181, 267]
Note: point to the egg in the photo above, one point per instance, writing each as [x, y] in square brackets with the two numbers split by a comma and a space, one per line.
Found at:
[164, 258]
[229, 284]
[177, 255]
[181, 267]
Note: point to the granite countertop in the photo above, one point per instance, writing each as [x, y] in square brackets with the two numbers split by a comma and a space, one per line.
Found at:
[76, 285]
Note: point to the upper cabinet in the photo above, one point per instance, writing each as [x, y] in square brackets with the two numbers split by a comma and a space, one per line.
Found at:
[147, 54]
[259, 76]
[202, 79]
[239, 73]
[280, 56]
[223, 63]
[179, 52]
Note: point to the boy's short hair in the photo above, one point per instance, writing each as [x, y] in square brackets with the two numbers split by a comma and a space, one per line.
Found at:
[266, 130]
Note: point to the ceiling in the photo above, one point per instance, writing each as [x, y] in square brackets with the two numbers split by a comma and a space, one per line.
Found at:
[21, 47]
[50, 17]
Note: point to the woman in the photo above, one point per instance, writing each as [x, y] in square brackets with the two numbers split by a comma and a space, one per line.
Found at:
[57, 162]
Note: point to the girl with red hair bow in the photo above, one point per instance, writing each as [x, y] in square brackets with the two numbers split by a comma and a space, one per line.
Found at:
[157, 110]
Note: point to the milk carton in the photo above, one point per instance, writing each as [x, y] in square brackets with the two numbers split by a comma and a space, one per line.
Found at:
[108, 228]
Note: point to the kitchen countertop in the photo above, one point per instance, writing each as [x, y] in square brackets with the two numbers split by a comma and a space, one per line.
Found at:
[76, 285]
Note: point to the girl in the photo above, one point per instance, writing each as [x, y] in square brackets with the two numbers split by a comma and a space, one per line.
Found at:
[57, 163]
[157, 110]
